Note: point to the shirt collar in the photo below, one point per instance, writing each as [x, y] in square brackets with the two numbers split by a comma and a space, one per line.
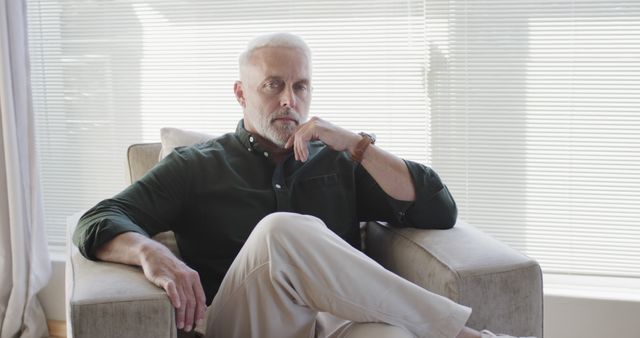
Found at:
[257, 144]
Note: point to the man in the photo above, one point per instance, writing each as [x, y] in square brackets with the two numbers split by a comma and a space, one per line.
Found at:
[266, 219]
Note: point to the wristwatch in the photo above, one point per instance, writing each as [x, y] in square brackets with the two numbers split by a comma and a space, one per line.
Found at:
[358, 152]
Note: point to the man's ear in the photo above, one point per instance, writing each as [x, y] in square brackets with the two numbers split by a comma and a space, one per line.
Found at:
[237, 89]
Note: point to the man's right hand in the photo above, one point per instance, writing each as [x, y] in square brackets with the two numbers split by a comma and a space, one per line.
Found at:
[164, 269]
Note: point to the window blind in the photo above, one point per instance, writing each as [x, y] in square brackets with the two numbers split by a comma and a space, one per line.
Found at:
[106, 74]
[529, 110]
[535, 118]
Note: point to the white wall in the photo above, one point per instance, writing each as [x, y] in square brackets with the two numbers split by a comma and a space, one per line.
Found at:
[52, 296]
[572, 317]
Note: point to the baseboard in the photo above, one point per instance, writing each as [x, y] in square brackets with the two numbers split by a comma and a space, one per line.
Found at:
[57, 329]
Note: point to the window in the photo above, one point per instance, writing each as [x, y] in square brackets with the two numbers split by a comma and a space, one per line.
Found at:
[109, 74]
[536, 126]
[529, 110]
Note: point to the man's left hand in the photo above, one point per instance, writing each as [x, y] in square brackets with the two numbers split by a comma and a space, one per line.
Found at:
[336, 138]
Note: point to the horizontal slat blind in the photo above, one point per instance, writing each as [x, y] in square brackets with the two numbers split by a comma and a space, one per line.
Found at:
[535, 110]
[106, 74]
[529, 110]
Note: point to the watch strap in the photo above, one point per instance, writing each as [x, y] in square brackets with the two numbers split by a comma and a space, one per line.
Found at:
[362, 145]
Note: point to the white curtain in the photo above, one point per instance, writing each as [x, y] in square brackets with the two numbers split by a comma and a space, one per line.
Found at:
[25, 267]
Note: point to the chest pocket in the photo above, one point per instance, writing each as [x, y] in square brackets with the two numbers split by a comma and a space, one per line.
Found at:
[319, 182]
[326, 198]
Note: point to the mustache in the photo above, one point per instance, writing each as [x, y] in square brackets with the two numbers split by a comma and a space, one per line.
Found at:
[286, 112]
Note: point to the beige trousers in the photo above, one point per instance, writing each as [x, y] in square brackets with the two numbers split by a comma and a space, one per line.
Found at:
[295, 278]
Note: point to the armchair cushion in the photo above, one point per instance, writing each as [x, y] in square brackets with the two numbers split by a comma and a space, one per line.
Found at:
[174, 137]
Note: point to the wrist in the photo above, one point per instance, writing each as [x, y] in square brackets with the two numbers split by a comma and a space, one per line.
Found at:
[355, 139]
[147, 249]
[366, 140]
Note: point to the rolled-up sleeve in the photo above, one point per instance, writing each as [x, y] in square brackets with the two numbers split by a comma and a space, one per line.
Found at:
[433, 207]
[148, 206]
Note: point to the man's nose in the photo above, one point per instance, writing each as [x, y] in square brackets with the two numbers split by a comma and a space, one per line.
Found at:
[288, 98]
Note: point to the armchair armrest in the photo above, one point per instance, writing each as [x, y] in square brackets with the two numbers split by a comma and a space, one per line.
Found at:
[501, 285]
[113, 300]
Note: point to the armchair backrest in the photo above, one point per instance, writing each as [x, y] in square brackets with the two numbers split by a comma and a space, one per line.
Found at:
[143, 156]
[140, 158]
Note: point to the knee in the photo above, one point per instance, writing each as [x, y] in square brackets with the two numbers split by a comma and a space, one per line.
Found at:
[288, 225]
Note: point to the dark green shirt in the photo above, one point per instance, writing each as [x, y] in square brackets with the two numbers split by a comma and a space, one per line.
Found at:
[211, 196]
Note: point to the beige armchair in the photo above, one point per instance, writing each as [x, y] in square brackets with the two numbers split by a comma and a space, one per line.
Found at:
[501, 285]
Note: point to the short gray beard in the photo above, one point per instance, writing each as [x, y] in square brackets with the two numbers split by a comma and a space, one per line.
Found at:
[279, 136]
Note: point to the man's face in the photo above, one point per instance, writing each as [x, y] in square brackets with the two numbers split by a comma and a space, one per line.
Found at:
[275, 92]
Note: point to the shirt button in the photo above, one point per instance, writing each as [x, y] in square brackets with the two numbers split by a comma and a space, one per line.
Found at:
[249, 149]
[278, 186]
[266, 154]
[251, 139]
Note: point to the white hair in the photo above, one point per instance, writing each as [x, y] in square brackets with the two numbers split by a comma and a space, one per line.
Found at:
[286, 40]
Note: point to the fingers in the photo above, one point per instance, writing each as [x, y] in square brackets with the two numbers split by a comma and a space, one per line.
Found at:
[178, 281]
[289, 141]
[180, 311]
[300, 140]
[298, 150]
[170, 288]
[188, 298]
[296, 147]
[189, 310]
[334, 137]
[302, 149]
[201, 306]
[193, 305]
[176, 295]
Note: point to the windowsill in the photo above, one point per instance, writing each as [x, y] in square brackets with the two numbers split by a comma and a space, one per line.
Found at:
[575, 286]
[592, 287]
[57, 253]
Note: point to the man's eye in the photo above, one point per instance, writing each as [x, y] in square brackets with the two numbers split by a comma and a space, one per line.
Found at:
[272, 84]
[302, 87]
